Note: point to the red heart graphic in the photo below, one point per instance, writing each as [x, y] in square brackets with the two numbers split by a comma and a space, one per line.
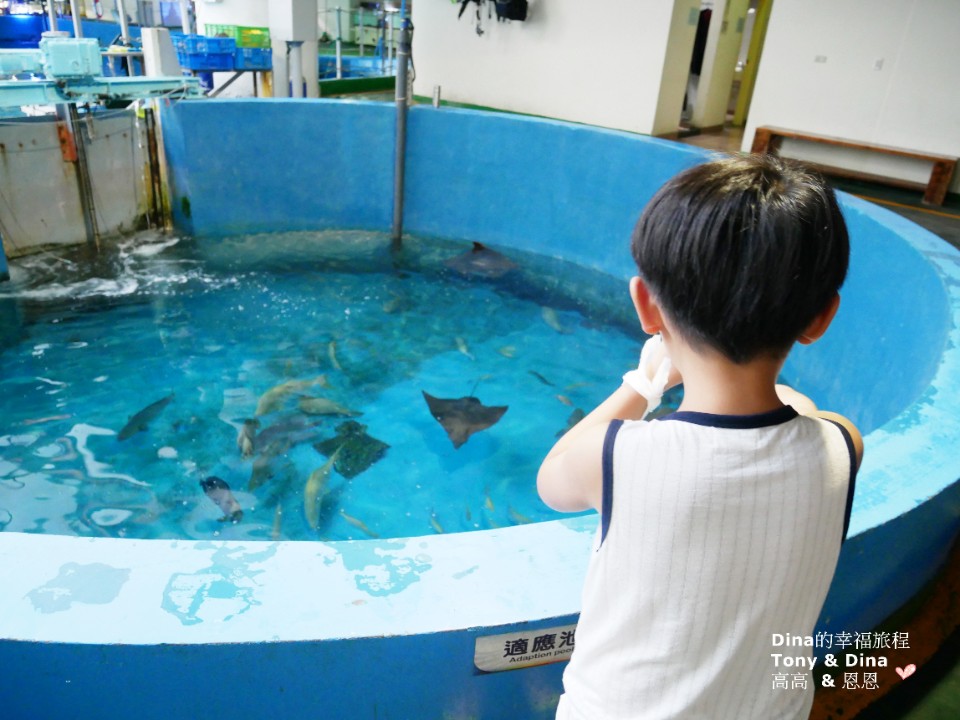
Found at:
[906, 672]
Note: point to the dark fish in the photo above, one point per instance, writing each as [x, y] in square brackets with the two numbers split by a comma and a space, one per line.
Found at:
[575, 417]
[142, 419]
[354, 449]
[462, 417]
[481, 261]
[219, 492]
[293, 429]
[541, 378]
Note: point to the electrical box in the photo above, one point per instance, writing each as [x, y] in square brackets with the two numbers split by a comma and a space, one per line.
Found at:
[20, 62]
[70, 57]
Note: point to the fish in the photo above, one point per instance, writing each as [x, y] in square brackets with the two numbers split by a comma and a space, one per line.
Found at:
[462, 347]
[219, 492]
[435, 524]
[517, 517]
[324, 406]
[277, 531]
[48, 418]
[549, 316]
[576, 416]
[397, 303]
[263, 468]
[292, 429]
[488, 501]
[359, 524]
[462, 417]
[541, 378]
[565, 400]
[468, 514]
[315, 490]
[332, 354]
[140, 421]
[508, 351]
[273, 398]
[481, 261]
[357, 449]
[247, 437]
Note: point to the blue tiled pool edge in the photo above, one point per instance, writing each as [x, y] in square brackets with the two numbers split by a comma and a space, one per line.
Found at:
[385, 629]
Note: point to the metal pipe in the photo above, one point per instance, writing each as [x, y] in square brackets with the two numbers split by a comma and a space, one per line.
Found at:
[77, 27]
[360, 28]
[403, 59]
[389, 48]
[153, 154]
[52, 14]
[124, 25]
[83, 177]
[339, 47]
[382, 26]
[296, 69]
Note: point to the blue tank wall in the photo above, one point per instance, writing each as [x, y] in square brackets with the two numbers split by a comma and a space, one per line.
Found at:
[575, 192]
[891, 362]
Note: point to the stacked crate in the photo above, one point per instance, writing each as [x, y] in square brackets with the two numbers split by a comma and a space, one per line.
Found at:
[198, 52]
[252, 50]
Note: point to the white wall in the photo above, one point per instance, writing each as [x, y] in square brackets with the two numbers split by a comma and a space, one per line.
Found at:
[912, 101]
[599, 63]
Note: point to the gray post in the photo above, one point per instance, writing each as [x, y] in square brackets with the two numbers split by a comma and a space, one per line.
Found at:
[403, 59]
[296, 68]
[186, 18]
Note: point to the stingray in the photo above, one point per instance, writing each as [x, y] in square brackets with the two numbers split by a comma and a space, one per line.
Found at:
[481, 261]
[357, 449]
[462, 417]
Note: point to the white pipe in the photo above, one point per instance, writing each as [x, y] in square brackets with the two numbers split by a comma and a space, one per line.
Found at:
[52, 14]
[339, 48]
[124, 25]
[360, 30]
[77, 28]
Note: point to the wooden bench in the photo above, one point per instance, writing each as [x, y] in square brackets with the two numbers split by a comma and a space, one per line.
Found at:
[769, 139]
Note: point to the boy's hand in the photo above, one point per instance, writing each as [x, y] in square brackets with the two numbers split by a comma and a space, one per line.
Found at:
[655, 373]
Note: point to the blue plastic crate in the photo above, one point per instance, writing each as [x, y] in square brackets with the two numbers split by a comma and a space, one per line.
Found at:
[252, 58]
[194, 44]
[205, 61]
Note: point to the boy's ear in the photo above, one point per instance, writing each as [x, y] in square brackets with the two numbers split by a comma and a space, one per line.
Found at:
[818, 326]
[651, 319]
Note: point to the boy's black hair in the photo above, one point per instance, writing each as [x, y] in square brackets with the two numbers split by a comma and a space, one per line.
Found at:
[742, 253]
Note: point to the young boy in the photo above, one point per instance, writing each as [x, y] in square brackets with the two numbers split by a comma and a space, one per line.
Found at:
[720, 523]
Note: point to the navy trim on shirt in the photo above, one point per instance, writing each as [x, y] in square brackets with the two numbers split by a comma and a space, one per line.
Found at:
[606, 501]
[735, 422]
[853, 475]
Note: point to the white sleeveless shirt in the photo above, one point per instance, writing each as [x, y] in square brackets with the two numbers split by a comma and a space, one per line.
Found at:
[717, 532]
